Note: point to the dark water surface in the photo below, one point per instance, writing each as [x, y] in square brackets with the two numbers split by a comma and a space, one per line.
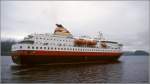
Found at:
[130, 69]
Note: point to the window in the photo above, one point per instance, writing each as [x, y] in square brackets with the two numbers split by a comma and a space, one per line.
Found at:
[40, 47]
[45, 43]
[32, 47]
[20, 46]
[48, 48]
[36, 47]
[28, 47]
[44, 47]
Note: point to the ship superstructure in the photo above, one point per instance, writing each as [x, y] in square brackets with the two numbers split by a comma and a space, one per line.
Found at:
[61, 46]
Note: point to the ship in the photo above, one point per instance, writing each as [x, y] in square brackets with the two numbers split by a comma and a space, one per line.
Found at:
[62, 47]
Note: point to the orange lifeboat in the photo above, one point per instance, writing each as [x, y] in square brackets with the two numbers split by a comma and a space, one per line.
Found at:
[103, 45]
[82, 42]
[79, 41]
[91, 42]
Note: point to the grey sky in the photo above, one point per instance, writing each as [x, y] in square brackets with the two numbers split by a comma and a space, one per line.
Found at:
[123, 21]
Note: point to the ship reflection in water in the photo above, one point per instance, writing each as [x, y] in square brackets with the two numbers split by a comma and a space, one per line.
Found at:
[130, 69]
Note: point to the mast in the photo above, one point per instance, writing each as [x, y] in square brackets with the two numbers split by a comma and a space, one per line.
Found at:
[100, 36]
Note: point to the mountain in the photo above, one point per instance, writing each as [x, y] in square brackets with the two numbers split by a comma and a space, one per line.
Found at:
[141, 52]
[127, 53]
[6, 47]
[137, 52]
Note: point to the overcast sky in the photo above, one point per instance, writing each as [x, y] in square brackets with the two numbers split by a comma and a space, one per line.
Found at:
[126, 22]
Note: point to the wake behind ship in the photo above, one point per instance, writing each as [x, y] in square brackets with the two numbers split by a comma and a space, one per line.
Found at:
[61, 47]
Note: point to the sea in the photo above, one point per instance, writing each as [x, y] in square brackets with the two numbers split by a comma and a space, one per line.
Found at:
[129, 69]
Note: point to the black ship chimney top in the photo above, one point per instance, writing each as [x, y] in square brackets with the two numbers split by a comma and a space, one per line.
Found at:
[59, 25]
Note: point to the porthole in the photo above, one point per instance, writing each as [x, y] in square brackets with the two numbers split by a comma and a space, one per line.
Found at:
[40, 47]
[36, 47]
[28, 47]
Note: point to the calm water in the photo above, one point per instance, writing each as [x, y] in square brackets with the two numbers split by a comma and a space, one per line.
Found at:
[130, 69]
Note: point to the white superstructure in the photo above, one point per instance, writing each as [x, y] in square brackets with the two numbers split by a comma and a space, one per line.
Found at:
[62, 40]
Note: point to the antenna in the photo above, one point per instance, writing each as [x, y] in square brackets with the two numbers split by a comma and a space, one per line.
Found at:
[100, 36]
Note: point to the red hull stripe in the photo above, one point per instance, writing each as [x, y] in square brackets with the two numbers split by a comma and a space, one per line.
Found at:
[62, 53]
